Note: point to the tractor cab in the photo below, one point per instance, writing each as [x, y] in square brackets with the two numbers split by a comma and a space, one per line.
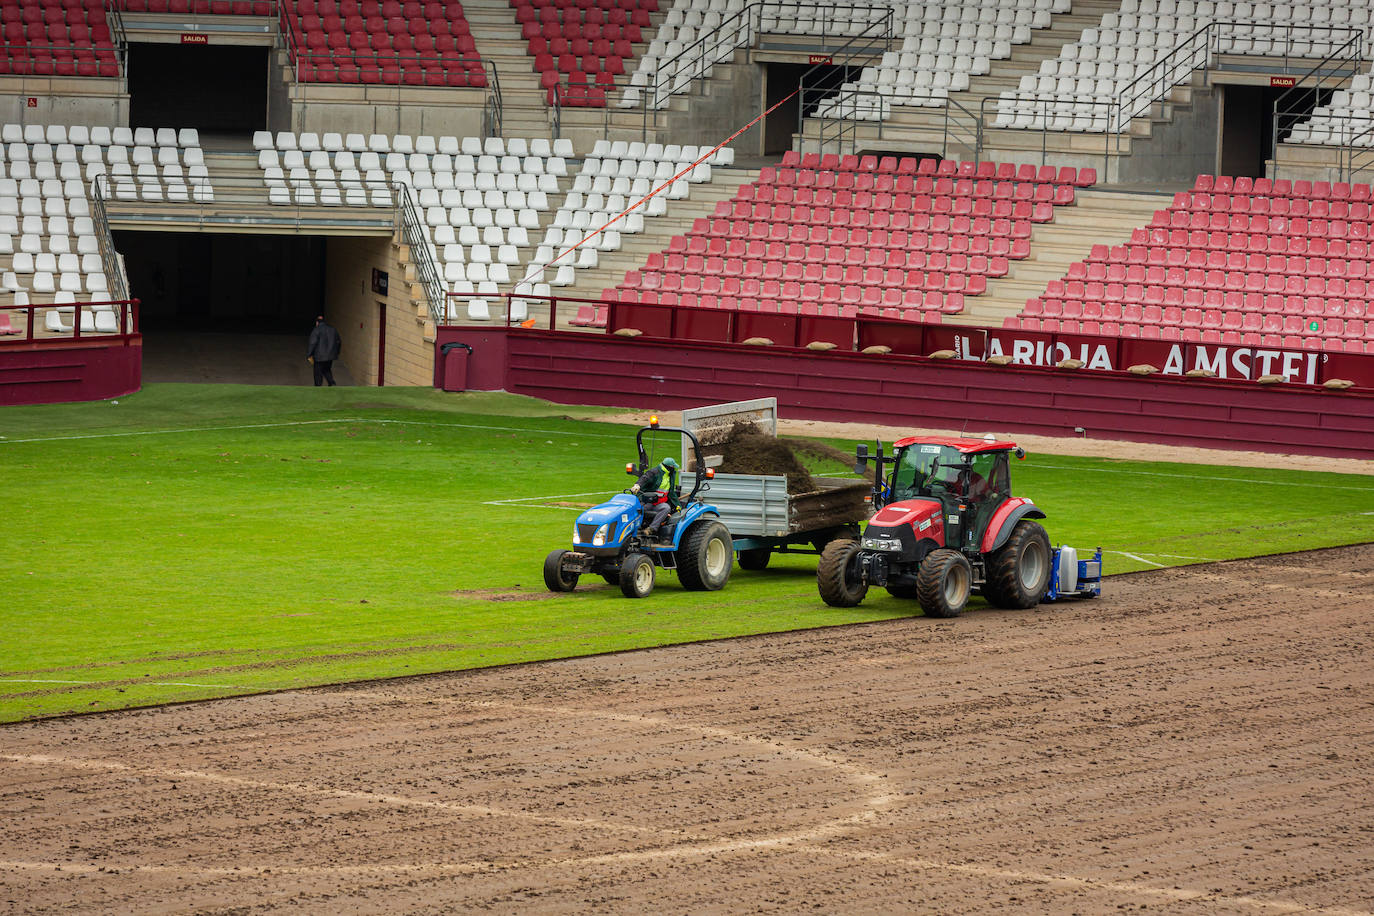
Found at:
[969, 478]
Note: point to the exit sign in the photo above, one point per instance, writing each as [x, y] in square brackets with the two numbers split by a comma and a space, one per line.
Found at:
[1283, 82]
[820, 59]
[195, 38]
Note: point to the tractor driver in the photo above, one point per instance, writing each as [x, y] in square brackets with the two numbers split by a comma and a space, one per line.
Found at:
[657, 487]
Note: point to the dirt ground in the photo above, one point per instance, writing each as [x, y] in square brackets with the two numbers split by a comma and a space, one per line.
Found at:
[1080, 446]
[1194, 741]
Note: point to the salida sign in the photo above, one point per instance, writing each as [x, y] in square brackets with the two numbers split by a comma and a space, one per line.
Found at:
[1169, 357]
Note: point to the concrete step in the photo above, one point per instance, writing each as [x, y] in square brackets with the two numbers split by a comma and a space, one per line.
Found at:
[1099, 217]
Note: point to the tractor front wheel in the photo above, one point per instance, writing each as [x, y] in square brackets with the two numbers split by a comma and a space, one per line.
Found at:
[839, 575]
[1018, 572]
[636, 576]
[555, 576]
[943, 583]
[756, 558]
[705, 558]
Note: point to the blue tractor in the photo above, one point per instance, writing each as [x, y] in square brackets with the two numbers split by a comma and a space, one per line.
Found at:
[609, 540]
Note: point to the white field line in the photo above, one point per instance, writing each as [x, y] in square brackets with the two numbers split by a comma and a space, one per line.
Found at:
[23, 680]
[1171, 556]
[291, 423]
[521, 500]
[1135, 557]
[1274, 483]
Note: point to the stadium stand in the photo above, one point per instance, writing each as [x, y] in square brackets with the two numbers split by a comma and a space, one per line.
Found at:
[1235, 261]
[480, 199]
[1346, 119]
[1080, 86]
[62, 38]
[580, 49]
[613, 178]
[939, 53]
[50, 251]
[384, 42]
[852, 235]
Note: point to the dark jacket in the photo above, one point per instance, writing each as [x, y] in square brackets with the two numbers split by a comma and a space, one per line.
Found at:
[324, 343]
[652, 480]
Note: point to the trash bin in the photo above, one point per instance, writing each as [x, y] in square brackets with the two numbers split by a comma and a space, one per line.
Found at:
[455, 360]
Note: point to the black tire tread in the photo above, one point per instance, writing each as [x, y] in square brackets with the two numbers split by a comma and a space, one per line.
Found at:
[930, 582]
[691, 557]
[554, 580]
[1002, 587]
[755, 559]
[835, 589]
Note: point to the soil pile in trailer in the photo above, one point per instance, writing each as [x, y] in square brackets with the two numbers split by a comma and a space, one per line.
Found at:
[747, 449]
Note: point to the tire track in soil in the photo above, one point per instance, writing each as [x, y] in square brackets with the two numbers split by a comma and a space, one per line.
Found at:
[1192, 739]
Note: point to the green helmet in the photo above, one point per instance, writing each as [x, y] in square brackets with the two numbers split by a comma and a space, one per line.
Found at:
[670, 463]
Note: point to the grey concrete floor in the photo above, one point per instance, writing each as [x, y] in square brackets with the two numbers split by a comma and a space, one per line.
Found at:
[245, 359]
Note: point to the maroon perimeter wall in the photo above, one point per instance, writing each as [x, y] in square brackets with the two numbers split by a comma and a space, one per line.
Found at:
[897, 389]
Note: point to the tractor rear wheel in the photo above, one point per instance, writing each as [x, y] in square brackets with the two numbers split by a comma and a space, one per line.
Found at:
[556, 578]
[1018, 572]
[944, 583]
[755, 559]
[636, 576]
[839, 575]
[705, 558]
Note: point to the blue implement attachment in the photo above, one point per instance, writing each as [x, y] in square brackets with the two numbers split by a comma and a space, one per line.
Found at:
[1074, 578]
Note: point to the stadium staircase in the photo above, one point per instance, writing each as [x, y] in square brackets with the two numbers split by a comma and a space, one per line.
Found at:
[924, 129]
[1097, 217]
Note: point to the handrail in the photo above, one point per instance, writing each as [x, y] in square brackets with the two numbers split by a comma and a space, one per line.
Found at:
[1286, 118]
[127, 322]
[422, 253]
[1198, 50]
[109, 257]
[865, 44]
[738, 31]
[118, 37]
[493, 108]
[1042, 105]
[1156, 81]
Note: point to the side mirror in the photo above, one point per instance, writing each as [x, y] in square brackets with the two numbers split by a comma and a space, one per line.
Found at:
[1020, 454]
[861, 458]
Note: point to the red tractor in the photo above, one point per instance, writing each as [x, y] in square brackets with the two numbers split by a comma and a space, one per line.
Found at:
[945, 524]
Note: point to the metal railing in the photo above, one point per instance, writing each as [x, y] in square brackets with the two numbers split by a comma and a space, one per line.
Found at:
[1203, 50]
[105, 320]
[1049, 115]
[422, 253]
[1296, 104]
[816, 89]
[109, 257]
[493, 108]
[676, 74]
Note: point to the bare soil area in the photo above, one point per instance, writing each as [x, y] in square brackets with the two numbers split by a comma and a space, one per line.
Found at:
[1197, 740]
[1084, 446]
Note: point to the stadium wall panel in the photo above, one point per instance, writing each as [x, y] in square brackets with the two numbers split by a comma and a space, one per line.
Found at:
[75, 371]
[944, 394]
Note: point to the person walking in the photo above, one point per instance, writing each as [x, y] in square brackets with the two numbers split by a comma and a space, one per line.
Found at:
[322, 350]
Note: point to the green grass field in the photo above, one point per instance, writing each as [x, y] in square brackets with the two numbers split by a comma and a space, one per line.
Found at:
[201, 541]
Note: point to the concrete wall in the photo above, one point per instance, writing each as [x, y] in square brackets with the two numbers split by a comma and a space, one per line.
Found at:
[380, 110]
[1180, 150]
[354, 308]
[91, 110]
[733, 97]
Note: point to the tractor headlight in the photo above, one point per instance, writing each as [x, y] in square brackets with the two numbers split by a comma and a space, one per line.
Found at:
[577, 539]
[599, 539]
[884, 544]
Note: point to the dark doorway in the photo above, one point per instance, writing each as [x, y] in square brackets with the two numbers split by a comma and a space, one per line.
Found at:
[214, 88]
[817, 82]
[207, 281]
[1247, 129]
